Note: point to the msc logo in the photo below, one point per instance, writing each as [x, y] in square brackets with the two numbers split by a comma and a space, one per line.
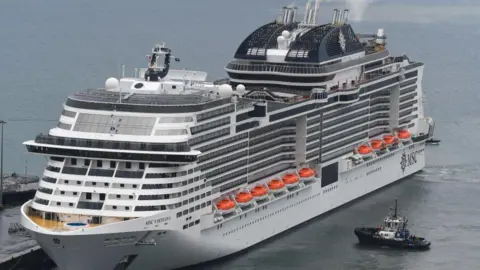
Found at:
[408, 160]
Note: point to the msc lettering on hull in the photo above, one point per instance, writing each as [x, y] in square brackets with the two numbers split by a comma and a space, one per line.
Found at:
[408, 160]
[156, 221]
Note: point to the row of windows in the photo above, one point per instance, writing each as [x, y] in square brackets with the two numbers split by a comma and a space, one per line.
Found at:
[265, 163]
[336, 154]
[170, 185]
[408, 104]
[222, 151]
[408, 90]
[226, 168]
[223, 142]
[233, 184]
[374, 171]
[268, 137]
[108, 144]
[228, 176]
[267, 172]
[208, 115]
[380, 100]
[223, 160]
[408, 96]
[193, 209]
[345, 119]
[279, 141]
[191, 224]
[344, 134]
[210, 125]
[64, 126]
[271, 128]
[345, 110]
[273, 152]
[68, 113]
[209, 136]
[313, 154]
[110, 155]
[344, 142]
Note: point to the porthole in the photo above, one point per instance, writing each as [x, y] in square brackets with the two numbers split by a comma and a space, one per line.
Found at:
[138, 85]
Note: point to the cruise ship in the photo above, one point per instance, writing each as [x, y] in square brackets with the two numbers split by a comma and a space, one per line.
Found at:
[165, 169]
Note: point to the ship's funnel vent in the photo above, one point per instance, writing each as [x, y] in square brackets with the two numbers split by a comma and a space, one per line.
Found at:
[345, 16]
[335, 16]
[289, 13]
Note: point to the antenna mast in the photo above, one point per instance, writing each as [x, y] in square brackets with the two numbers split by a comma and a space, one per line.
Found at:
[395, 215]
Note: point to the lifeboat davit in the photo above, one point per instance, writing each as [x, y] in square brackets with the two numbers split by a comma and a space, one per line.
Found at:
[291, 180]
[364, 149]
[244, 198]
[276, 185]
[306, 173]
[404, 134]
[259, 192]
[226, 206]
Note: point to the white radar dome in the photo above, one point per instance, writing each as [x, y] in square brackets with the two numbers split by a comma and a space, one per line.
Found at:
[240, 88]
[111, 83]
[225, 90]
[285, 34]
[280, 39]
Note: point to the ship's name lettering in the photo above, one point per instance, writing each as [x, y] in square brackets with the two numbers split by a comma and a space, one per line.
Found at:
[156, 221]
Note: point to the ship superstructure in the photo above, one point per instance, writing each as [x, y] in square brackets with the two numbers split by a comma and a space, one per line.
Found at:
[165, 169]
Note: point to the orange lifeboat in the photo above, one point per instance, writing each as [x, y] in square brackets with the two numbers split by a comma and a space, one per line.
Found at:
[306, 173]
[244, 197]
[389, 139]
[404, 134]
[276, 185]
[364, 149]
[376, 144]
[225, 205]
[259, 191]
[290, 179]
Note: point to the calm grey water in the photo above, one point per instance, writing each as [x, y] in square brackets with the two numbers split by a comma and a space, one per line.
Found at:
[49, 49]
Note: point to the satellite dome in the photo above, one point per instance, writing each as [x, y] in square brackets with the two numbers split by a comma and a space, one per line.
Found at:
[111, 84]
[225, 90]
[280, 39]
[285, 34]
[240, 88]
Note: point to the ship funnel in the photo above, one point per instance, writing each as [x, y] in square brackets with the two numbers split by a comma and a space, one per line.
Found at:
[340, 18]
[289, 14]
[335, 16]
[306, 19]
[345, 16]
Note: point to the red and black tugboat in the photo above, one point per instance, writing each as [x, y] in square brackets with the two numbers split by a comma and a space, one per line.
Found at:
[393, 233]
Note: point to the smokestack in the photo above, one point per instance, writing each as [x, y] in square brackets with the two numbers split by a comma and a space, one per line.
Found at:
[289, 16]
[313, 18]
[340, 18]
[306, 19]
[335, 16]
[345, 16]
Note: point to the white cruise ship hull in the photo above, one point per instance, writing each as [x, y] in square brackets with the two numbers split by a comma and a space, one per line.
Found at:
[176, 248]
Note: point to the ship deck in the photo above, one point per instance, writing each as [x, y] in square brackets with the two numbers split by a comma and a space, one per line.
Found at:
[53, 224]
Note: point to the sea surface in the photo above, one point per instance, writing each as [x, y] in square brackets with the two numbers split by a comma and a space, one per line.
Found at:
[49, 49]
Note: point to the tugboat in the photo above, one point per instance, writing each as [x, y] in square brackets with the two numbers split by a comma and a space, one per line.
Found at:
[432, 141]
[393, 233]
